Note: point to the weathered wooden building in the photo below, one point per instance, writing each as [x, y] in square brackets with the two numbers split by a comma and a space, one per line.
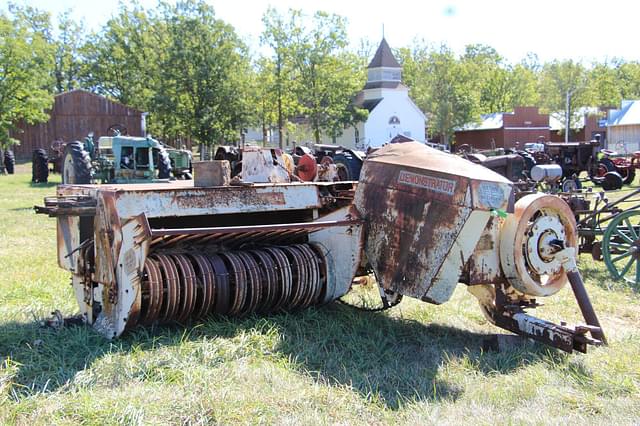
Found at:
[504, 129]
[74, 115]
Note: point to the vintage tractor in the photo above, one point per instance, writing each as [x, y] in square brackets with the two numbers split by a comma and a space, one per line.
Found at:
[578, 157]
[420, 220]
[7, 161]
[122, 159]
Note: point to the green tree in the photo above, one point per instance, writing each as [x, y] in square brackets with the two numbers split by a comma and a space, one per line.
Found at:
[122, 58]
[26, 60]
[277, 35]
[604, 84]
[561, 81]
[500, 86]
[204, 74]
[628, 75]
[68, 59]
[329, 76]
[443, 86]
[265, 98]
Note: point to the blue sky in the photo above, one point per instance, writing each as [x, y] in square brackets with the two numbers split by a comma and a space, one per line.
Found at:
[560, 29]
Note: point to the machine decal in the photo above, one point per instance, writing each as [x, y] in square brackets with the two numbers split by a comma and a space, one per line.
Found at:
[444, 186]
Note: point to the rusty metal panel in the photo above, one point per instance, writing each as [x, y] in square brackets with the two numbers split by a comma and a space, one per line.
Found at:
[342, 250]
[415, 202]
[445, 281]
[420, 157]
[68, 239]
[162, 202]
[484, 263]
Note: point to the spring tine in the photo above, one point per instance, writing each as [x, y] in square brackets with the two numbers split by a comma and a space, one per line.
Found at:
[154, 277]
[325, 294]
[188, 286]
[170, 277]
[298, 274]
[304, 281]
[254, 282]
[309, 283]
[222, 285]
[206, 285]
[282, 289]
[315, 265]
[201, 288]
[269, 276]
[179, 285]
[238, 282]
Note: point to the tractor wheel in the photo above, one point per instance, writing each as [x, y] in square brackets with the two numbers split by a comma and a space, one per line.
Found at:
[571, 185]
[164, 164]
[9, 162]
[628, 175]
[621, 247]
[39, 166]
[348, 167]
[76, 164]
[612, 181]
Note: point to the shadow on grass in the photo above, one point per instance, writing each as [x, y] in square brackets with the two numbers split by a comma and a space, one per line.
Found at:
[596, 272]
[388, 360]
[44, 184]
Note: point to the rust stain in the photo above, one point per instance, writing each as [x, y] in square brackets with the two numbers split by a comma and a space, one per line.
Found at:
[244, 195]
[412, 219]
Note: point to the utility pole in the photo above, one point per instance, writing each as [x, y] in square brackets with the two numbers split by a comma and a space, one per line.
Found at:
[567, 117]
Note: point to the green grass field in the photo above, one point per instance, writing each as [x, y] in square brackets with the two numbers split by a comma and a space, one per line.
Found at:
[415, 364]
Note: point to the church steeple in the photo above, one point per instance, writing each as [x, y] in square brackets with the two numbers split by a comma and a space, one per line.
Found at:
[383, 70]
[384, 57]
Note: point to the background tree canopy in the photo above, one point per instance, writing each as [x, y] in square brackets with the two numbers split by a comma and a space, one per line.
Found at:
[198, 80]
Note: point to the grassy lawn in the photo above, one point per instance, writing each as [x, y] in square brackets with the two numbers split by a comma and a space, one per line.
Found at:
[415, 364]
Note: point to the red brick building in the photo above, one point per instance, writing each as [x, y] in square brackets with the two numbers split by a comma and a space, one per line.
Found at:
[504, 129]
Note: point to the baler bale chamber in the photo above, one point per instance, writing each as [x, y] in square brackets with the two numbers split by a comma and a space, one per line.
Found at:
[419, 219]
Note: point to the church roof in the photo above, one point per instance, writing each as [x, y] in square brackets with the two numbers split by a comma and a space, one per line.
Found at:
[384, 57]
[371, 104]
[383, 85]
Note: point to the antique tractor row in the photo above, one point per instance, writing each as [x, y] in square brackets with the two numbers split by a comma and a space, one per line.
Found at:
[116, 159]
[420, 220]
[602, 166]
[309, 163]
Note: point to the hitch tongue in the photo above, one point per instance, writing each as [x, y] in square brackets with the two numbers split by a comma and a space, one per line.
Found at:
[567, 256]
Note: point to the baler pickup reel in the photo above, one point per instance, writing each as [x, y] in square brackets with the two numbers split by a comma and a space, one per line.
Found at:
[421, 220]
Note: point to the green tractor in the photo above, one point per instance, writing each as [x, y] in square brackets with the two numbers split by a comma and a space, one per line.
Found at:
[123, 159]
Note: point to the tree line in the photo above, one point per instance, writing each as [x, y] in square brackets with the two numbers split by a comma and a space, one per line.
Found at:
[199, 80]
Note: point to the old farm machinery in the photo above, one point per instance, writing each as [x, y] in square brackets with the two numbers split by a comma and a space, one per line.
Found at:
[112, 159]
[609, 230]
[419, 219]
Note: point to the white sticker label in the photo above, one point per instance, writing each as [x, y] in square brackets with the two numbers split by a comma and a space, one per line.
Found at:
[435, 184]
[490, 194]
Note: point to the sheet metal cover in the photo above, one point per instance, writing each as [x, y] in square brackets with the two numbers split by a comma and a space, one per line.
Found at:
[420, 156]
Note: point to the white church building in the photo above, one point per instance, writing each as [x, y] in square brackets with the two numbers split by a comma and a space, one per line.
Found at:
[391, 110]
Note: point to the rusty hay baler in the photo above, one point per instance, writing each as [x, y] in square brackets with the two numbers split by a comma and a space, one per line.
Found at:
[421, 220]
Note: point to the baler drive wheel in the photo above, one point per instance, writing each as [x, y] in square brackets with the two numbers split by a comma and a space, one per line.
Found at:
[528, 242]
